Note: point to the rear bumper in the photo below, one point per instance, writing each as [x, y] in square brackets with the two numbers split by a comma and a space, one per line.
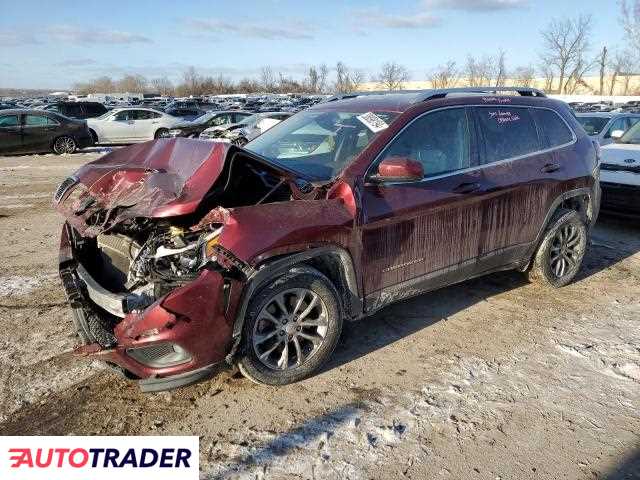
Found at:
[190, 318]
[620, 198]
[84, 140]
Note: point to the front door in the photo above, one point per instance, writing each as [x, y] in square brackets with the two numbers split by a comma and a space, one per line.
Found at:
[420, 235]
[121, 127]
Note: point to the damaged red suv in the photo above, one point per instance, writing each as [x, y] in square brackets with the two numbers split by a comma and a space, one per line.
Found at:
[182, 256]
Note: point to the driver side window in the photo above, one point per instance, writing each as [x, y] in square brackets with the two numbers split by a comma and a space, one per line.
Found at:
[440, 141]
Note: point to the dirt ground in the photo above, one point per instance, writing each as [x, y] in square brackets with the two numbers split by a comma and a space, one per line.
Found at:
[491, 379]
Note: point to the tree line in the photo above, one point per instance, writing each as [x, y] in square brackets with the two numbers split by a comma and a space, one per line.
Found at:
[566, 57]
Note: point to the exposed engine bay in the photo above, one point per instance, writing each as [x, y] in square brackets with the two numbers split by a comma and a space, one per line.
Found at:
[145, 257]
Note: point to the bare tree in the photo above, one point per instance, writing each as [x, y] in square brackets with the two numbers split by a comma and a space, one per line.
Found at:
[445, 76]
[312, 80]
[392, 76]
[132, 83]
[524, 76]
[323, 74]
[162, 85]
[190, 82]
[479, 71]
[104, 84]
[267, 79]
[566, 42]
[576, 77]
[631, 21]
[247, 85]
[500, 66]
[549, 77]
[347, 79]
[603, 62]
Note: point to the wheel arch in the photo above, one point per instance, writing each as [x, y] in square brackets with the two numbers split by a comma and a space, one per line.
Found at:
[333, 262]
[582, 200]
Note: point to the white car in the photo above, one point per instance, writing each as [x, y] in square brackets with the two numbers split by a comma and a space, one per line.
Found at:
[602, 126]
[249, 128]
[620, 173]
[129, 125]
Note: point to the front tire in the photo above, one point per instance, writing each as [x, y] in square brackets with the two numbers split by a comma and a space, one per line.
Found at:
[291, 328]
[161, 133]
[64, 144]
[560, 254]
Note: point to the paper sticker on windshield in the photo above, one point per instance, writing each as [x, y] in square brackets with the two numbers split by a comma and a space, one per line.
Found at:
[373, 122]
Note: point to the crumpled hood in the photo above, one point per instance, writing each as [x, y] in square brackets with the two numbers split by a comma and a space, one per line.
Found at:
[160, 178]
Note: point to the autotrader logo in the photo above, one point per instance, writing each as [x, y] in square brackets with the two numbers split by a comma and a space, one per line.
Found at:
[71, 458]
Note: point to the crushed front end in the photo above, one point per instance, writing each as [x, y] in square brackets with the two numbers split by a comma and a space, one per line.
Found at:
[152, 304]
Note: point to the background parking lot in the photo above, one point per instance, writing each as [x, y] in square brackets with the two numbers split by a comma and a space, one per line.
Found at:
[494, 377]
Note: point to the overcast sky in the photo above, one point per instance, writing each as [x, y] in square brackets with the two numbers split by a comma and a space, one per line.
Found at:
[52, 44]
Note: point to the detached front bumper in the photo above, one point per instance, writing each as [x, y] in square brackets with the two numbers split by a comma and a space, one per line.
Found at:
[182, 338]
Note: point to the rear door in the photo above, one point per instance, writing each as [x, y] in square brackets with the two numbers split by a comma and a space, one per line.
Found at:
[39, 132]
[146, 124]
[10, 133]
[523, 176]
[423, 234]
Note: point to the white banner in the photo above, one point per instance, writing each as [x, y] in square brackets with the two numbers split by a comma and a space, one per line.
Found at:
[99, 458]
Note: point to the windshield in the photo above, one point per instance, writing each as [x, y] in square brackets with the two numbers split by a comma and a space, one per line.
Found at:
[593, 125]
[250, 120]
[632, 136]
[204, 117]
[319, 144]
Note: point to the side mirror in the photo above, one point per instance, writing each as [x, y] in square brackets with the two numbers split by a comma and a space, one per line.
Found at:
[617, 134]
[399, 169]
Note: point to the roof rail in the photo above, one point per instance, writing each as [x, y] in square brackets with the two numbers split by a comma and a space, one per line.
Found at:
[342, 96]
[435, 93]
[443, 92]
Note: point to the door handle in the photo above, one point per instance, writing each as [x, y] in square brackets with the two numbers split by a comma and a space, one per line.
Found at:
[467, 187]
[550, 168]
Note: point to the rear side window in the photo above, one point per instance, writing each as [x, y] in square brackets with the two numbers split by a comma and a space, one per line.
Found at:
[507, 132]
[38, 121]
[440, 141]
[553, 128]
[9, 121]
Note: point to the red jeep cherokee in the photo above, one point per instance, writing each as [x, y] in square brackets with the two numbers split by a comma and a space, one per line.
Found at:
[180, 256]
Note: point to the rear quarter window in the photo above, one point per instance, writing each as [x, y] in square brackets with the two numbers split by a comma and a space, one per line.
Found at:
[554, 130]
[506, 132]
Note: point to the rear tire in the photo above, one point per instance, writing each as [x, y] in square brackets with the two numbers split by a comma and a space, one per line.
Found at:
[560, 254]
[64, 144]
[292, 327]
[161, 133]
[94, 136]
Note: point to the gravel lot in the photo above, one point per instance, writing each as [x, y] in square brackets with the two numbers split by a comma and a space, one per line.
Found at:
[491, 379]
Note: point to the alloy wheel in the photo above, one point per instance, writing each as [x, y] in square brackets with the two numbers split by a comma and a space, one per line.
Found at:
[290, 328]
[65, 145]
[566, 251]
